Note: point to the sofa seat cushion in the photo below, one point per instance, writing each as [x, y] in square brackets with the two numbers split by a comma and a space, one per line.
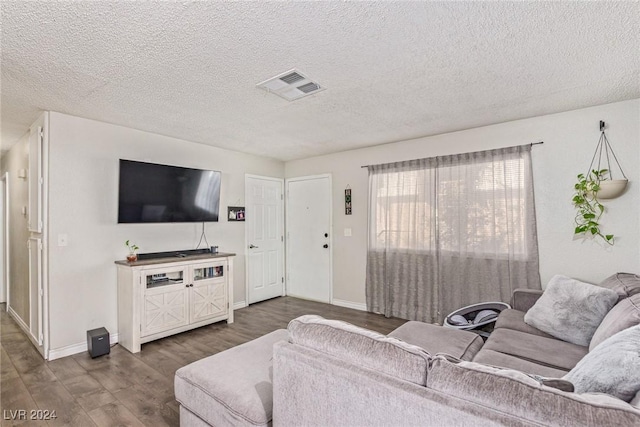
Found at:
[514, 319]
[437, 339]
[361, 346]
[523, 397]
[233, 387]
[494, 358]
[541, 350]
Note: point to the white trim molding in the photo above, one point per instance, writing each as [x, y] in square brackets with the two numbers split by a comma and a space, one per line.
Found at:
[19, 321]
[57, 353]
[349, 304]
[240, 304]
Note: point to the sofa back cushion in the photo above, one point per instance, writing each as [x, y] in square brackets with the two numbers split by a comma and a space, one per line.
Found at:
[613, 367]
[520, 395]
[625, 284]
[571, 310]
[624, 315]
[361, 347]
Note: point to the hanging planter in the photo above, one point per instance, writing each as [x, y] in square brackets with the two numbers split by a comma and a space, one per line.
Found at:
[598, 184]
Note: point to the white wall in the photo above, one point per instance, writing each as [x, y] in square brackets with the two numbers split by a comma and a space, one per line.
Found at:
[83, 201]
[569, 142]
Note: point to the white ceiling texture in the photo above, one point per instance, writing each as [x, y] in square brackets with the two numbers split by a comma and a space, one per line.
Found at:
[392, 70]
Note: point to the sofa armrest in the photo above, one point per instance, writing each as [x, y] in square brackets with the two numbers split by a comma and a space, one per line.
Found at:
[524, 299]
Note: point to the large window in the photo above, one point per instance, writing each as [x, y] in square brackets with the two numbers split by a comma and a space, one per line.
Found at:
[432, 214]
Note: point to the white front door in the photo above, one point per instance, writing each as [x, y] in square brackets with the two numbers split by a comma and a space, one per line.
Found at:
[264, 237]
[309, 237]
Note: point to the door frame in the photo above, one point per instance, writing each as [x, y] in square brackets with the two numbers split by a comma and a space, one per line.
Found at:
[308, 178]
[5, 239]
[246, 240]
[36, 242]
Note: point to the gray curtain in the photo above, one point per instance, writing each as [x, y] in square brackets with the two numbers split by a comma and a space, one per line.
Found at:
[450, 231]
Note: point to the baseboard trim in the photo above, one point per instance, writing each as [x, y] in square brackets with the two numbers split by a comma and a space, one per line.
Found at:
[19, 321]
[26, 330]
[69, 350]
[349, 304]
[239, 305]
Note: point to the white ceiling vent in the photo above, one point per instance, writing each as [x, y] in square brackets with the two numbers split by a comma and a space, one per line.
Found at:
[290, 85]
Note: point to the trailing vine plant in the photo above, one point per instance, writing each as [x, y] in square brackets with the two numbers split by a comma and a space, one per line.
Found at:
[132, 247]
[589, 207]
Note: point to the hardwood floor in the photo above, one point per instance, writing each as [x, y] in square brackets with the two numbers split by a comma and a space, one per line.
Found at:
[136, 389]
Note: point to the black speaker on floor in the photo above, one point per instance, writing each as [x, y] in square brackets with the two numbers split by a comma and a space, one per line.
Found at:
[98, 342]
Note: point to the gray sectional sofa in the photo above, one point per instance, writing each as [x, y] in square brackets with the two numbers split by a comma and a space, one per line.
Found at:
[325, 372]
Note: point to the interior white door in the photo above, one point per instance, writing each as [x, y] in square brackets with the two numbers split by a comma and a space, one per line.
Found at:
[265, 238]
[309, 238]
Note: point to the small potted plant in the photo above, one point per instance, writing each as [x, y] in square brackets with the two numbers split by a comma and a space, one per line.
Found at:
[133, 248]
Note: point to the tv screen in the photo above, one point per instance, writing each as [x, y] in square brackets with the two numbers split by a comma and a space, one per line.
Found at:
[150, 192]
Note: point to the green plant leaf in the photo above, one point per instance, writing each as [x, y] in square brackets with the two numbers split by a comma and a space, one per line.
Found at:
[589, 209]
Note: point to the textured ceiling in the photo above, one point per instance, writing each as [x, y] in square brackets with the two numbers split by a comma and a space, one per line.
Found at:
[393, 70]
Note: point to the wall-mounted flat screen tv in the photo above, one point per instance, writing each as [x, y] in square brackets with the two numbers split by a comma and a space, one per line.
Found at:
[150, 192]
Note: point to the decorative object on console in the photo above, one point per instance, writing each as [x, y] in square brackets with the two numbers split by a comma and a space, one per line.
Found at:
[598, 184]
[133, 251]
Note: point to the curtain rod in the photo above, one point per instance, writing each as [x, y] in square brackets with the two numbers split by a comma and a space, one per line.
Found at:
[533, 143]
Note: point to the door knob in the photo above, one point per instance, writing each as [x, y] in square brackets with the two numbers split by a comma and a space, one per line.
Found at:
[252, 246]
[325, 246]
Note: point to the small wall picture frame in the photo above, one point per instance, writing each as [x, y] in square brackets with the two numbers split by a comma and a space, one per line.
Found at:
[347, 201]
[235, 213]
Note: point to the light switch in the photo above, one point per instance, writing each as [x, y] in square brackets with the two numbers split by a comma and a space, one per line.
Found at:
[347, 232]
[63, 240]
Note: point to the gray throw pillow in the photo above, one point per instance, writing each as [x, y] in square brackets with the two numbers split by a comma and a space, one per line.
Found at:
[636, 400]
[613, 367]
[571, 310]
[625, 284]
[624, 315]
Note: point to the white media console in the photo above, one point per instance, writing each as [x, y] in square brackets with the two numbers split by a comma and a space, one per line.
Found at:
[165, 296]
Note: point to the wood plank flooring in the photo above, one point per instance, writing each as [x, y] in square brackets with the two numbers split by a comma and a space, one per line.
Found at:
[136, 389]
